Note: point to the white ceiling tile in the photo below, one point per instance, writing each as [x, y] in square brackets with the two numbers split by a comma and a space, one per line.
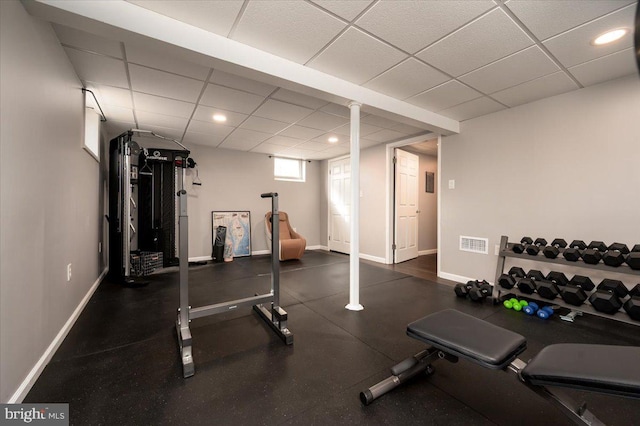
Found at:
[543, 87]
[205, 113]
[243, 139]
[378, 121]
[282, 111]
[294, 30]
[407, 129]
[324, 139]
[161, 61]
[546, 18]
[298, 99]
[115, 128]
[413, 25]
[472, 109]
[313, 146]
[365, 128]
[574, 47]
[166, 132]
[336, 109]
[300, 132]
[407, 79]
[117, 113]
[160, 105]
[356, 57]
[108, 95]
[146, 119]
[230, 99]
[205, 139]
[216, 16]
[485, 40]
[444, 96]
[345, 9]
[284, 141]
[208, 128]
[87, 41]
[267, 148]
[98, 68]
[236, 82]
[606, 68]
[385, 135]
[322, 121]
[523, 66]
[264, 125]
[160, 83]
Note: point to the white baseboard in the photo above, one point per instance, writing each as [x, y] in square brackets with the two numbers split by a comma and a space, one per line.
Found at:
[426, 252]
[259, 252]
[199, 258]
[372, 258]
[318, 247]
[453, 277]
[26, 385]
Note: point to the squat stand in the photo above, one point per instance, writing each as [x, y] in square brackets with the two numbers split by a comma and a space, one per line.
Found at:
[275, 316]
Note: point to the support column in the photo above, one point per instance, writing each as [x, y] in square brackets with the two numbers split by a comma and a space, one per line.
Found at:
[354, 253]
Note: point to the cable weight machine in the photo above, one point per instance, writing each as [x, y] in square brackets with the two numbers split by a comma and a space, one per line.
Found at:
[266, 305]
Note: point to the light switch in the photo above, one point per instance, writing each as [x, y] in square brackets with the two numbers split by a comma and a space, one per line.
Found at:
[452, 184]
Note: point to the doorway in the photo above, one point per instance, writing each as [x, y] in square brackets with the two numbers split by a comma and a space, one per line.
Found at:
[339, 204]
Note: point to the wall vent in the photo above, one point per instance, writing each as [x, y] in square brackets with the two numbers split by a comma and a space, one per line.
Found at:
[474, 244]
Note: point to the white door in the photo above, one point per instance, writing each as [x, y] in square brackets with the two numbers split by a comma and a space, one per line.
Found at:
[339, 204]
[406, 206]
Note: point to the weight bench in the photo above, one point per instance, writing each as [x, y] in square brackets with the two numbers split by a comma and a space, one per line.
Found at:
[451, 335]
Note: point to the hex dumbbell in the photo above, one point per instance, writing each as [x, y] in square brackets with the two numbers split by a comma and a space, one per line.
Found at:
[481, 291]
[632, 306]
[633, 258]
[616, 254]
[607, 296]
[522, 246]
[553, 250]
[593, 253]
[508, 280]
[574, 251]
[538, 244]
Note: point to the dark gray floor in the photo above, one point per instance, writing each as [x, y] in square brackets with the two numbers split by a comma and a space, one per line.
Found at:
[120, 362]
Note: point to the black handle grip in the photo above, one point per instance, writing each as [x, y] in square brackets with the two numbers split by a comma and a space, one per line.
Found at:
[269, 195]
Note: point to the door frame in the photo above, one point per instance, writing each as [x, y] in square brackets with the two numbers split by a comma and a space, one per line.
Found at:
[389, 207]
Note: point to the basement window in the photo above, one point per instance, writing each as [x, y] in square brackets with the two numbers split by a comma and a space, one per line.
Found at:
[289, 169]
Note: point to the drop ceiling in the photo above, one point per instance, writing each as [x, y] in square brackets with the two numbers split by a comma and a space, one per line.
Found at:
[458, 59]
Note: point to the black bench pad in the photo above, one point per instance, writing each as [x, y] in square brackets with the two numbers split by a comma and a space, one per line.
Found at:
[468, 337]
[597, 368]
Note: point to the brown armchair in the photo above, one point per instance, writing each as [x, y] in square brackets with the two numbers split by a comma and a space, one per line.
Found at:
[292, 244]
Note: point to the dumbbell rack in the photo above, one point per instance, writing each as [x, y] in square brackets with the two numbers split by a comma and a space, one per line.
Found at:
[506, 250]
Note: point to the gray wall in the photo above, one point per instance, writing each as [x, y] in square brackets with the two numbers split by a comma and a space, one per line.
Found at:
[373, 201]
[566, 166]
[234, 180]
[49, 194]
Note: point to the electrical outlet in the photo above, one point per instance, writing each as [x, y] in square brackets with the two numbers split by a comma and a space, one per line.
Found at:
[69, 272]
[452, 184]
[497, 249]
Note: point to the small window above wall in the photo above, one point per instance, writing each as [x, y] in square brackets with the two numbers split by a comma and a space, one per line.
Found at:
[92, 133]
[289, 169]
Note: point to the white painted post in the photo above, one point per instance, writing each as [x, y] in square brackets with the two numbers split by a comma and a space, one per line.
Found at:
[354, 254]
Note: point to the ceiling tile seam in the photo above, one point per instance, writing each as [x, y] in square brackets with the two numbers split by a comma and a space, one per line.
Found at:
[340, 33]
[452, 32]
[631, 48]
[79, 49]
[92, 52]
[300, 105]
[195, 107]
[587, 23]
[414, 55]
[126, 70]
[232, 30]
[538, 43]
[248, 116]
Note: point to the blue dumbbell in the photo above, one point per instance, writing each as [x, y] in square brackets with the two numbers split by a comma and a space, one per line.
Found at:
[531, 308]
[545, 312]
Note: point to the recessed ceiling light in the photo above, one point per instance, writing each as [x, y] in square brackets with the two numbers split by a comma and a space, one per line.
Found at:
[333, 139]
[220, 118]
[610, 36]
